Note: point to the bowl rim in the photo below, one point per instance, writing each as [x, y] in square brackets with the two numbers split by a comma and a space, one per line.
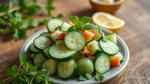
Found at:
[111, 75]
[100, 3]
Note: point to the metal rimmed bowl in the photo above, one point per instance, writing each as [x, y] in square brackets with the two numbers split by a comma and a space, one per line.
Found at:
[112, 73]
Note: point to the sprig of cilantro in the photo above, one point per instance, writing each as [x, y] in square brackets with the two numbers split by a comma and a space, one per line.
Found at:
[87, 76]
[99, 76]
[29, 74]
[16, 16]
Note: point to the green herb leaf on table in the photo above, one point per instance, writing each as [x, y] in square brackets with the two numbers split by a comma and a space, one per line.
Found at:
[29, 74]
[16, 16]
[49, 6]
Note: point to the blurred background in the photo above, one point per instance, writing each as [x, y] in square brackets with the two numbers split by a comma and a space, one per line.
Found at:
[33, 17]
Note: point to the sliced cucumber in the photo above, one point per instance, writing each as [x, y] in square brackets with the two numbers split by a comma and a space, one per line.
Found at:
[42, 42]
[53, 24]
[66, 69]
[108, 47]
[65, 26]
[38, 59]
[102, 63]
[46, 53]
[96, 32]
[46, 34]
[93, 47]
[55, 35]
[120, 56]
[50, 64]
[60, 52]
[74, 40]
[33, 49]
[85, 65]
[112, 37]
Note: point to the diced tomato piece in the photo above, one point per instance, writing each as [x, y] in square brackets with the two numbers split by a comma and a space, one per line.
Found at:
[91, 57]
[86, 51]
[62, 36]
[88, 35]
[115, 61]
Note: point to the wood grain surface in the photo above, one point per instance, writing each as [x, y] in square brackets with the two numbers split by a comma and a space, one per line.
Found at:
[136, 33]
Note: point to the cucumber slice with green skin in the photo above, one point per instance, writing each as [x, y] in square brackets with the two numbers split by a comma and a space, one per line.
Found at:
[33, 49]
[55, 35]
[53, 23]
[120, 56]
[65, 26]
[38, 59]
[46, 34]
[96, 32]
[93, 47]
[50, 65]
[66, 69]
[108, 47]
[102, 63]
[46, 53]
[42, 42]
[87, 41]
[112, 37]
[85, 65]
[60, 52]
[74, 40]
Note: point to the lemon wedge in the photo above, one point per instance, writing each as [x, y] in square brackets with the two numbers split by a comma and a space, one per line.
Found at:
[108, 1]
[108, 21]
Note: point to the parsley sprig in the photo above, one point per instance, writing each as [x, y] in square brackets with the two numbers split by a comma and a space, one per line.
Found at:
[29, 74]
[80, 23]
[16, 16]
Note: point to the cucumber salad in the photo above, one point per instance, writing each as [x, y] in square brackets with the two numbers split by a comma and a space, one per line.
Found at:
[78, 49]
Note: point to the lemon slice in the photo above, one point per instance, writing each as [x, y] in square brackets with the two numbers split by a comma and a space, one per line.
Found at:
[108, 21]
[108, 1]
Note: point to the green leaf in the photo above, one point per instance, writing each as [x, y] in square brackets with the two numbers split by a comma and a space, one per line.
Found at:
[74, 19]
[49, 6]
[88, 76]
[33, 23]
[88, 26]
[99, 76]
[85, 20]
[82, 78]
[44, 21]
[13, 71]
[72, 28]
[1, 82]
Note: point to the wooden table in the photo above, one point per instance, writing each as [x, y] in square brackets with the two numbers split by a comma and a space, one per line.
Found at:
[136, 33]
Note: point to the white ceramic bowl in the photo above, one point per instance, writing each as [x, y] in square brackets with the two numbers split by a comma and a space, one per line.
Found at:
[107, 76]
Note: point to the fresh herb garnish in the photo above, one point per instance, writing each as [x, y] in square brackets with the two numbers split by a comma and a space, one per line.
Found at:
[82, 78]
[29, 74]
[79, 23]
[99, 76]
[87, 76]
[16, 16]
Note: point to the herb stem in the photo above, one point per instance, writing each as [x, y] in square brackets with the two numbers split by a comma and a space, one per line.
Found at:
[31, 81]
[19, 69]
[10, 11]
